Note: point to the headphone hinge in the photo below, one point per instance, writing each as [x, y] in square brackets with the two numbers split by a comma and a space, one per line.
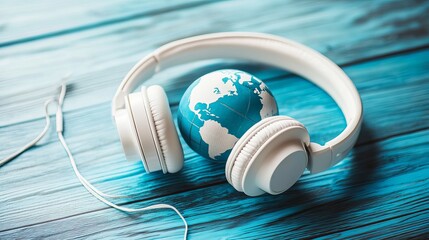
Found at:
[320, 158]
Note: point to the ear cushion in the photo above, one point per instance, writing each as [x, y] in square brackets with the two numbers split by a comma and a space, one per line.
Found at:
[166, 133]
[244, 139]
[253, 140]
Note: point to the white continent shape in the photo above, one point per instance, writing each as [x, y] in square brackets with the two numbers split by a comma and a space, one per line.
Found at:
[268, 103]
[210, 88]
[217, 138]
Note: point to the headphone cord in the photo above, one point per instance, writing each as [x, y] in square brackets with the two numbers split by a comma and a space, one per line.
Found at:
[34, 141]
[88, 186]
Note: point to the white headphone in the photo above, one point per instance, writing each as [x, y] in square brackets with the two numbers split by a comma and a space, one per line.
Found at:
[271, 155]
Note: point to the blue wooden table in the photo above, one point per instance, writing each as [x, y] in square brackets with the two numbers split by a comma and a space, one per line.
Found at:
[381, 190]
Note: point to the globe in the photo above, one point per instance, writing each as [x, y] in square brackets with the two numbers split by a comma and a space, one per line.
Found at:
[219, 107]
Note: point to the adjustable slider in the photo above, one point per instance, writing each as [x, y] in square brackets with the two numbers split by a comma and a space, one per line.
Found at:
[59, 119]
[59, 114]
[320, 158]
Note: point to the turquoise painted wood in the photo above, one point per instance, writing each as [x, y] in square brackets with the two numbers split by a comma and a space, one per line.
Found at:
[380, 190]
[100, 57]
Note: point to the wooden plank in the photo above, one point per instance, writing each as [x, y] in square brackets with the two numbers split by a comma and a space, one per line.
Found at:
[51, 162]
[101, 57]
[402, 79]
[25, 21]
[410, 225]
[379, 183]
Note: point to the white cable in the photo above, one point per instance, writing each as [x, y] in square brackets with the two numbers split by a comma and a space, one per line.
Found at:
[34, 141]
[93, 190]
[59, 126]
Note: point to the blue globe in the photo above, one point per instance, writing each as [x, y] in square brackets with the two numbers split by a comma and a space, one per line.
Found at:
[219, 107]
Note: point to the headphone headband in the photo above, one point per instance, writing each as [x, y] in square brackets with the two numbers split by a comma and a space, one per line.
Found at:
[267, 49]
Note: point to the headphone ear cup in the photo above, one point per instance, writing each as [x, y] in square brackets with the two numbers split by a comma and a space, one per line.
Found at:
[127, 135]
[166, 133]
[252, 143]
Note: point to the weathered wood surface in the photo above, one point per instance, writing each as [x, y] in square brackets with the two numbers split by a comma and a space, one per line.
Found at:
[380, 187]
[25, 21]
[101, 57]
[359, 192]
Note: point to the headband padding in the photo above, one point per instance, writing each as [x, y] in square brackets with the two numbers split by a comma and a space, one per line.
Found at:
[166, 133]
[253, 139]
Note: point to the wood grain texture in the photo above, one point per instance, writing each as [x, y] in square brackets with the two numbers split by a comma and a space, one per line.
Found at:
[101, 57]
[379, 191]
[106, 168]
[375, 185]
[26, 21]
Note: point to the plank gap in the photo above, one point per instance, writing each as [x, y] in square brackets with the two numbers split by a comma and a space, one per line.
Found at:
[105, 23]
[208, 186]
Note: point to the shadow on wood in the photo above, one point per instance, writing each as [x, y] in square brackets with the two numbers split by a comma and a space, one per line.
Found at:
[339, 201]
